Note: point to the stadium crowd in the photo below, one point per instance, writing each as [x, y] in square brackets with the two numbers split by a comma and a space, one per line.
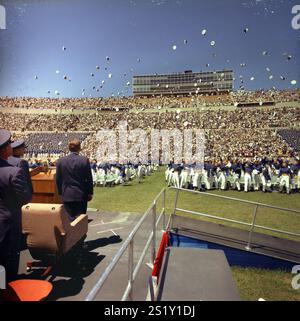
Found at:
[200, 119]
[134, 102]
[224, 143]
[262, 96]
[247, 135]
[110, 103]
[292, 137]
[51, 143]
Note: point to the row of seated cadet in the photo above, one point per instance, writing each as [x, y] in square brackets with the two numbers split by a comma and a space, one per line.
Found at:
[116, 176]
[199, 180]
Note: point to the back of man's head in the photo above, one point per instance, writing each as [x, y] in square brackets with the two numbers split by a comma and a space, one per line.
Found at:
[5, 151]
[74, 145]
[5, 144]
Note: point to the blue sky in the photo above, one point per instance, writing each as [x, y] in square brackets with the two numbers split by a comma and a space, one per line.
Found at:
[138, 37]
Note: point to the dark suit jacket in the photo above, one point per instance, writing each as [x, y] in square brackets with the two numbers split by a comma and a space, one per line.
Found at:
[22, 163]
[14, 193]
[74, 178]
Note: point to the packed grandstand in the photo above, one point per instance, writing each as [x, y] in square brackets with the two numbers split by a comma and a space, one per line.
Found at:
[132, 102]
[263, 136]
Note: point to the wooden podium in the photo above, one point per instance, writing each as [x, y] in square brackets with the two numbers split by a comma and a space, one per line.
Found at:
[44, 186]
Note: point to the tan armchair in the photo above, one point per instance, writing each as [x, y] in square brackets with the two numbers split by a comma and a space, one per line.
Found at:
[50, 232]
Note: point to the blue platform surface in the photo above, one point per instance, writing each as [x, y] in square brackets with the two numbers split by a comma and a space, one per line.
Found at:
[235, 257]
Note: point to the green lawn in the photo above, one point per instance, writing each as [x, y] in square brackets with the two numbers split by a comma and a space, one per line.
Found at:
[252, 283]
[269, 285]
[136, 198]
[132, 197]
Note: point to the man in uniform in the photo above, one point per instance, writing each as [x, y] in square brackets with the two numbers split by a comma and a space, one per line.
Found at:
[184, 177]
[175, 176]
[207, 174]
[276, 166]
[285, 178]
[295, 169]
[236, 169]
[19, 148]
[222, 178]
[74, 180]
[247, 177]
[265, 178]
[14, 193]
[256, 171]
[196, 178]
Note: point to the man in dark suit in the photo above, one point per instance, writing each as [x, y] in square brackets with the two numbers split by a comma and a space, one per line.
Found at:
[74, 180]
[16, 160]
[14, 193]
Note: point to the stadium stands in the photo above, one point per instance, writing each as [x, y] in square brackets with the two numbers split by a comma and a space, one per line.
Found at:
[292, 137]
[200, 119]
[121, 103]
[245, 134]
[51, 143]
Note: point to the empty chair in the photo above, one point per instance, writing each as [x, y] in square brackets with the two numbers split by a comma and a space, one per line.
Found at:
[50, 231]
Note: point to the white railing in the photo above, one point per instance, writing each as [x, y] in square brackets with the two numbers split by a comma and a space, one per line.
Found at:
[128, 244]
[252, 225]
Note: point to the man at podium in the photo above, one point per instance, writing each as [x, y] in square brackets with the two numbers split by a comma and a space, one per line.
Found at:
[74, 180]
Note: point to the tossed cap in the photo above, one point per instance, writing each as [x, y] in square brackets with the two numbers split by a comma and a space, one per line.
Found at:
[5, 137]
[18, 143]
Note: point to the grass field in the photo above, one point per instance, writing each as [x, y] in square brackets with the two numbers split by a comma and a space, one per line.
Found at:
[252, 283]
[269, 285]
[136, 198]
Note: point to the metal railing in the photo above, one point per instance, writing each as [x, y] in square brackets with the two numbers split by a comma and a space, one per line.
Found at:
[152, 210]
[129, 244]
[252, 225]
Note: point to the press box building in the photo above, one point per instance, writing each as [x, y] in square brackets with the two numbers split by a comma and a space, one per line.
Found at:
[184, 83]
